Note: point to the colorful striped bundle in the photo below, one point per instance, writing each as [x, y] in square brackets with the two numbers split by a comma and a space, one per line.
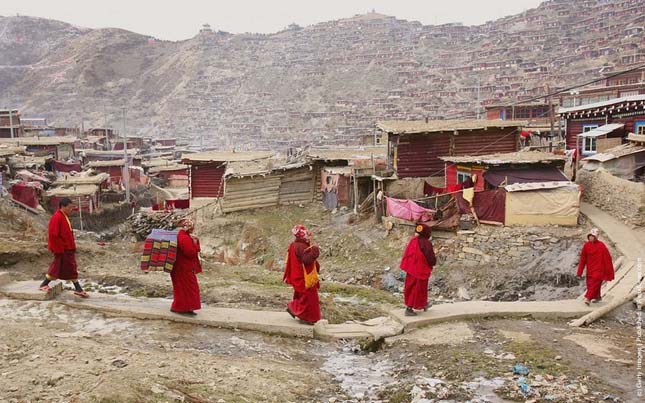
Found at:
[159, 251]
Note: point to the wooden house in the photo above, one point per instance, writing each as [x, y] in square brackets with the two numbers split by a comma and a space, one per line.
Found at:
[207, 170]
[415, 147]
[586, 125]
[59, 148]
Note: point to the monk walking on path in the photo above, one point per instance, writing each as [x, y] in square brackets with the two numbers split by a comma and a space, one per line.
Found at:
[62, 244]
[185, 289]
[595, 256]
[417, 263]
[301, 272]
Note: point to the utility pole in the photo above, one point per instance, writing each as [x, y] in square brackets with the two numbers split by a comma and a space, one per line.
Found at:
[105, 125]
[125, 155]
[551, 117]
[11, 122]
[478, 99]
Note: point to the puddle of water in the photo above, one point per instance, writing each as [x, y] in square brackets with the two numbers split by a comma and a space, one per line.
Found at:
[361, 376]
[484, 390]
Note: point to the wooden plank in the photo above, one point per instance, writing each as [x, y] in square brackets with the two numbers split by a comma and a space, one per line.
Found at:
[603, 310]
[26, 207]
[251, 193]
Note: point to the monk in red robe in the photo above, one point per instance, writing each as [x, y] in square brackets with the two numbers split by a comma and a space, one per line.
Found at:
[596, 257]
[301, 272]
[417, 263]
[62, 244]
[185, 289]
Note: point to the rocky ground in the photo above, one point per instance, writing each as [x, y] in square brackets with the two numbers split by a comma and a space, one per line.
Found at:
[79, 356]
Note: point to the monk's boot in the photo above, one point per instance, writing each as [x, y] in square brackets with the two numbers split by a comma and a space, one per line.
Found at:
[593, 301]
[410, 312]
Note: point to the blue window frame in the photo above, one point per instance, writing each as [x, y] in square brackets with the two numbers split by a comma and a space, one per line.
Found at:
[639, 127]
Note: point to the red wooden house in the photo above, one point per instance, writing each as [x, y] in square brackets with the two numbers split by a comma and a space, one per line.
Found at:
[494, 170]
[207, 170]
[415, 147]
[613, 118]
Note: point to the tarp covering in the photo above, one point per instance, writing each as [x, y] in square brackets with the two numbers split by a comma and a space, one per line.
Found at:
[29, 176]
[25, 194]
[490, 205]
[407, 210]
[559, 206]
[60, 166]
[497, 176]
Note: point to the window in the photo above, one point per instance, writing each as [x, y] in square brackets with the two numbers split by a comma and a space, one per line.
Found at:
[589, 146]
[628, 93]
[639, 127]
[588, 128]
[522, 113]
[462, 176]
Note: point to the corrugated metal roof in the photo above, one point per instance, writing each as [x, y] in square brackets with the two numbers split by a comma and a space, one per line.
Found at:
[616, 152]
[594, 105]
[520, 157]
[224, 156]
[520, 187]
[602, 130]
[434, 126]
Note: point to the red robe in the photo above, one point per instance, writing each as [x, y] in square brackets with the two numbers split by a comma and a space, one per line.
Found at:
[417, 263]
[600, 267]
[185, 289]
[305, 304]
[61, 243]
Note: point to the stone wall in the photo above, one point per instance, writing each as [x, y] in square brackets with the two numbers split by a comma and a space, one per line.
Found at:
[501, 246]
[621, 198]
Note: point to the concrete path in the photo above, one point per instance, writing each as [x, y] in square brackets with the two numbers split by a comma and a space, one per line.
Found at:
[281, 323]
[627, 242]
[158, 308]
[625, 239]
[488, 309]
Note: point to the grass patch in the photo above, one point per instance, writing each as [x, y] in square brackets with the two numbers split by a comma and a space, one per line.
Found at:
[366, 293]
[539, 358]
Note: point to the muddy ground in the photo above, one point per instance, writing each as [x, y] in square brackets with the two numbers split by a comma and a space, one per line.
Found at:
[52, 353]
[79, 356]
